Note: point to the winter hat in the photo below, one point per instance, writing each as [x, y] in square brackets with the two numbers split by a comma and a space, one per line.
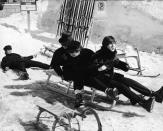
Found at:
[65, 37]
[108, 40]
[7, 47]
[74, 47]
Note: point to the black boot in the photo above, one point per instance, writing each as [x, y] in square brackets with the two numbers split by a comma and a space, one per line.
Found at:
[78, 100]
[148, 104]
[24, 76]
[159, 95]
[112, 93]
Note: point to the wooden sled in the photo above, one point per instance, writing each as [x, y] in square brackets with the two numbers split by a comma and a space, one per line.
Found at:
[60, 118]
[65, 88]
[139, 68]
[124, 56]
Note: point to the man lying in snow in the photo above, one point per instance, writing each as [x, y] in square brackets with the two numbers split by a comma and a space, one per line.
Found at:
[17, 62]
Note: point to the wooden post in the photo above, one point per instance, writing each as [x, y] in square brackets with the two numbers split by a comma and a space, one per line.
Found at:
[28, 21]
[139, 64]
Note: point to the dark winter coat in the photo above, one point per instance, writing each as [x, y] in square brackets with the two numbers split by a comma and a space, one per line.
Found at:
[81, 62]
[58, 60]
[13, 60]
[63, 63]
[105, 57]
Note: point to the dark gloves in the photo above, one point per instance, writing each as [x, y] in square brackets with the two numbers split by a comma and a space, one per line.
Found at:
[111, 63]
[126, 67]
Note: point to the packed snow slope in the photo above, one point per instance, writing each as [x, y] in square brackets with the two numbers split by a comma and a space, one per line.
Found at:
[18, 99]
[131, 24]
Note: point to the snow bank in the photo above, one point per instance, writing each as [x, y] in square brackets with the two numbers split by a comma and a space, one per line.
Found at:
[16, 109]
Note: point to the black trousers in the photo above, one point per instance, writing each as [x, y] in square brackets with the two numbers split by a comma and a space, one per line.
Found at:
[21, 66]
[137, 86]
[132, 84]
[32, 63]
[79, 80]
[98, 82]
[126, 91]
[102, 82]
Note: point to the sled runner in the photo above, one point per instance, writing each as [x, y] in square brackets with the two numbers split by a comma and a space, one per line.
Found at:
[151, 76]
[60, 118]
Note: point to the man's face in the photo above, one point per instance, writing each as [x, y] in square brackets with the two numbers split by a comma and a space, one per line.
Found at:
[112, 46]
[75, 53]
[8, 51]
[65, 44]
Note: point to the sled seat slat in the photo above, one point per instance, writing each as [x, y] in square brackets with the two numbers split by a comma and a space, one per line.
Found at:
[55, 110]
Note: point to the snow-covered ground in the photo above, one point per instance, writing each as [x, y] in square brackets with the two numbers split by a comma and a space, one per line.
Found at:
[18, 99]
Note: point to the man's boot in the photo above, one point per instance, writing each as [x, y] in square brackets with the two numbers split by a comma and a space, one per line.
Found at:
[78, 100]
[158, 95]
[148, 104]
[24, 76]
[112, 93]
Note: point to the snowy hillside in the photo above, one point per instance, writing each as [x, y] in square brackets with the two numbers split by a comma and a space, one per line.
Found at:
[130, 23]
[18, 99]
